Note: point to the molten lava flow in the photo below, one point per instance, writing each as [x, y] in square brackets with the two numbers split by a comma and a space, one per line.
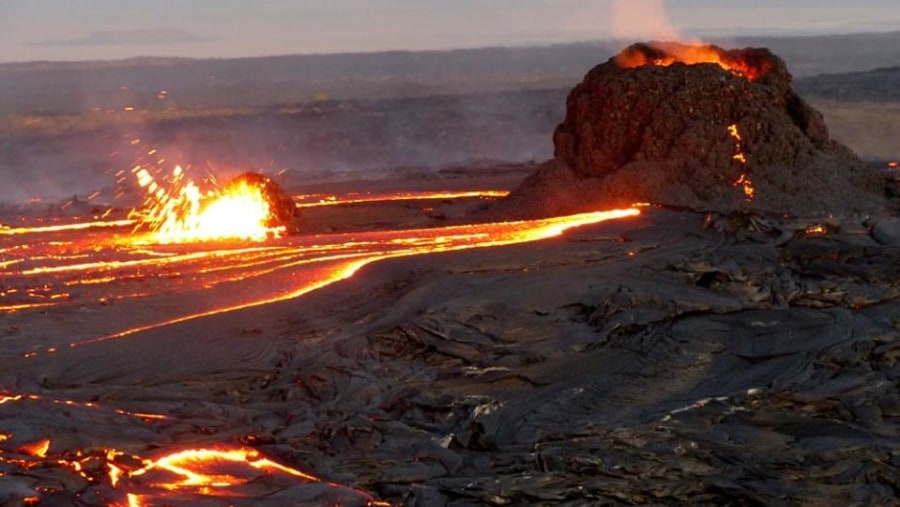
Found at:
[64, 228]
[178, 212]
[208, 470]
[342, 261]
[741, 158]
[138, 282]
[667, 54]
[315, 200]
[211, 472]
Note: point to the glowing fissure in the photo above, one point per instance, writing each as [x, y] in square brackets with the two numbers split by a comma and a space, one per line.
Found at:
[740, 157]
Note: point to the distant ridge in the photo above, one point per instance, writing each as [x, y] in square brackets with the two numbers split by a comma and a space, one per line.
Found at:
[77, 87]
[879, 85]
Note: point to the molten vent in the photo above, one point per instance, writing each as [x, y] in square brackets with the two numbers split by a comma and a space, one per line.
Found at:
[666, 54]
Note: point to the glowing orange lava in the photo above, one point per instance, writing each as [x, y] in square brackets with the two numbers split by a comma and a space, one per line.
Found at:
[315, 200]
[355, 255]
[672, 53]
[119, 271]
[741, 158]
[211, 472]
[37, 449]
[199, 468]
[218, 471]
[177, 211]
[78, 267]
[816, 230]
[65, 228]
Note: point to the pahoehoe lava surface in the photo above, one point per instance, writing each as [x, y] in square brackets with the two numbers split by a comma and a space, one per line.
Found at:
[670, 359]
[655, 133]
[676, 358]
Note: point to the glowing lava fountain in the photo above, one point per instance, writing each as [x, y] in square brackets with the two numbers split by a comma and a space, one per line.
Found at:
[177, 211]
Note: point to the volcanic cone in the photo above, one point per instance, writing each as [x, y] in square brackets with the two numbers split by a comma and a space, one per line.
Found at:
[697, 127]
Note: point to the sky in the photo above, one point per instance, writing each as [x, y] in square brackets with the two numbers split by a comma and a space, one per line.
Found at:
[112, 29]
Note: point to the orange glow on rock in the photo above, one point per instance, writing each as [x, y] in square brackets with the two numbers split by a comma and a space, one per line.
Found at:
[816, 230]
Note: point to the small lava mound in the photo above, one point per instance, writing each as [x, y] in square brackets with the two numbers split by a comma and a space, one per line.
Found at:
[282, 210]
[697, 127]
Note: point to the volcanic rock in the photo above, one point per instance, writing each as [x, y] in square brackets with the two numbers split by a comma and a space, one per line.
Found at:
[887, 231]
[282, 210]
[725, 135]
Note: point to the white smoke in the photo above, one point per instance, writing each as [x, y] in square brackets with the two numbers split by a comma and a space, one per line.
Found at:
[642, 20]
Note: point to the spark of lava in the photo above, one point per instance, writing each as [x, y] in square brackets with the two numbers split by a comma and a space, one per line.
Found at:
[177, 211]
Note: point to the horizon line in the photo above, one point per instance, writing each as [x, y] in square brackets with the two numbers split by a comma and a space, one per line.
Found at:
[710, 37]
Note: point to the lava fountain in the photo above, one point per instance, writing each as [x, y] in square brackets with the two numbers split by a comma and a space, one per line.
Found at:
[177, 211]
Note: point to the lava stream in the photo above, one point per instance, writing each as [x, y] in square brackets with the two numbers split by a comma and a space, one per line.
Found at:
[100, 270]
[316, 200]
